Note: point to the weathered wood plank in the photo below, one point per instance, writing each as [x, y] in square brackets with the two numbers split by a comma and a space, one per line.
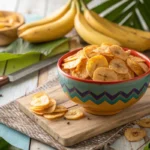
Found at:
[32, 7]
[8, 5]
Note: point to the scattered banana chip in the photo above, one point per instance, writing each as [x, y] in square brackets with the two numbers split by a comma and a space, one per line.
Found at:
[144, 123]
[74, 114]
[135, 67]
[88, 51]
[118, 52]
[54, 115]
[104, 74]
[60, 109]
[118, 66]
[120, 62]
[41, 101]
[38, 113]
[94, 62]
[134, 134]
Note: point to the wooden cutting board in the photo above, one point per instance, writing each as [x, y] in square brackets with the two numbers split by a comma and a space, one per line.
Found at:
[70, 132]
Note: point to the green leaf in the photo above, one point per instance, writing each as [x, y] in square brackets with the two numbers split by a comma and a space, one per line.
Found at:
[147, 147]
[4, 145]
[87, 1]
[116, 12]
[21, 48]
[125, 8]
[100, 8]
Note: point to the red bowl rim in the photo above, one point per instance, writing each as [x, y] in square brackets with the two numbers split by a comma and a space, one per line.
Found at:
[133, 52]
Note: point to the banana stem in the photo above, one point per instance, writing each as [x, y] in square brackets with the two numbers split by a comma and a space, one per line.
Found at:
[83, 5]
[78, 6]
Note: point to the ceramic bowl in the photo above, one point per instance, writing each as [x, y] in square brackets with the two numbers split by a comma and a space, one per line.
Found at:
[104, 98]
[9, 35]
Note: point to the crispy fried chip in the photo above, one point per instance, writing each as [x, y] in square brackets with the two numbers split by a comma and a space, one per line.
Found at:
[144, 123]
[60, 108]
[74, 114]
[134, 134]
[54, 115]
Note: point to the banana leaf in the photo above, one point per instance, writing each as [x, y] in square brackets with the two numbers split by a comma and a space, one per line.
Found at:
[4, 145]
[21, 54]
[117, 11]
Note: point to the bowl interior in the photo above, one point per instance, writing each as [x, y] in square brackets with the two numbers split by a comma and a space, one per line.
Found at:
[19, 17]
[133, 52]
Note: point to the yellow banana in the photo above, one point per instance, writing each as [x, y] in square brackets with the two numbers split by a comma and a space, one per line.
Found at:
[89, 34]
[53, 30]
[58, 14]
[138, 32]
[127, 39]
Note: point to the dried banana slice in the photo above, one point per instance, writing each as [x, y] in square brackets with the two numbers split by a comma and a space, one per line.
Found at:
[95, 62]
[137, 59]
[80, 71]
[38, 113]
[128, 52]
[71, 64]
[52, 108]
[143, 66]
[40, 101]
[135, 134]
[88, 51]
[144, 123]
[131, 73]
[54, 115]
[104, 50]
[74, 114]
[135, 67]
[118, 52]
[122, 77]
[75, 56]
[104, 74]
[61, 109]
[118, 65]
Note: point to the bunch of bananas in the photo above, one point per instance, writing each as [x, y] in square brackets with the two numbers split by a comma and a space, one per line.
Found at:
[50, 28]
[90, 26]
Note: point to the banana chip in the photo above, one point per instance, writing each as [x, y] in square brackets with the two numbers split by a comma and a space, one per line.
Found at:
[137, 59]
[118, 65]
[134, 134]
[71, 64]
[38, 113]
[104, 50]
[123, 76]
[54, 115]
[104, 74]
[88, 51]
[85, 62]
[42, 101]
[60, 109]
[80, 71]
[74, 114]
[75, 56]
[143, 66]
[118, 52]
[144, 123]
[95, 62]
[135, 67]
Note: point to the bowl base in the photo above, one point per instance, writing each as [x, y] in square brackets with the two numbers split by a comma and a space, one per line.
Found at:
[100, 113]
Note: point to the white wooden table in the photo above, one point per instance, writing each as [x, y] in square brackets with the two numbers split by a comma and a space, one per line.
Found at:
[26, 85]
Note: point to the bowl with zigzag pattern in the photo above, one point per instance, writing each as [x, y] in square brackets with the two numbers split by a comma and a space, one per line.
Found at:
[104, 98]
